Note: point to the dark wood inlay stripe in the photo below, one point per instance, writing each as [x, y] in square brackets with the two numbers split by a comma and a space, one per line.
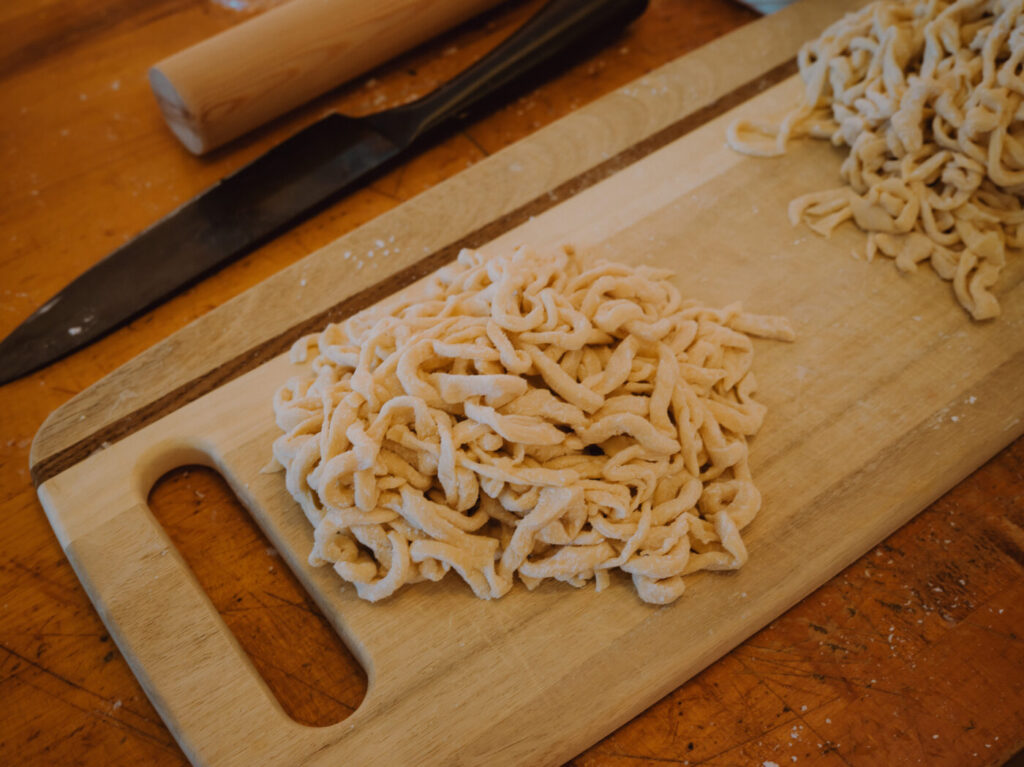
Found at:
[267, 350]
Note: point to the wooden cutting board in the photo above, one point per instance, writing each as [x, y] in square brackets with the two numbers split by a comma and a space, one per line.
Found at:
[889, 396]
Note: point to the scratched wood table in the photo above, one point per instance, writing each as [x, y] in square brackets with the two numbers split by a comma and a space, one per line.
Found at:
[912, 655]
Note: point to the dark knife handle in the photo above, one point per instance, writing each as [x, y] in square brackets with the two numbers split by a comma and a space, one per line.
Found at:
[557, 26]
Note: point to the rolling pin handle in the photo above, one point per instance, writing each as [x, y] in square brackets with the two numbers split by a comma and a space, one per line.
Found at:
[247, 75]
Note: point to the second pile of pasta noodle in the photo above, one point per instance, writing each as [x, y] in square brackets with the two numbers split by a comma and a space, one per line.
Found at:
[929, 97]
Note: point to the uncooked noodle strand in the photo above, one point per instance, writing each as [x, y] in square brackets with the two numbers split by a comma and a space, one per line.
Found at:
[529, 418]
[929, 97]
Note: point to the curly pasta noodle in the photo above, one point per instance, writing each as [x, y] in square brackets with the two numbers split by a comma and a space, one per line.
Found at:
[528, 416]
[929, 97]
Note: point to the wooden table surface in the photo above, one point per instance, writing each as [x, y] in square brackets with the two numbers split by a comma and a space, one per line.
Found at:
[914, 654]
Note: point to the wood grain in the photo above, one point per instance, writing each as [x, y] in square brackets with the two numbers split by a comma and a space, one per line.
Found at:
[44, 466]
[223, 87]
[67, 697]
[261, 602]
[554, 156]
[889, 397]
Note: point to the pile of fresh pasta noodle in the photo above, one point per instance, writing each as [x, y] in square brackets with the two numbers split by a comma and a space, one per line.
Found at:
[929, 97]
[526, 416]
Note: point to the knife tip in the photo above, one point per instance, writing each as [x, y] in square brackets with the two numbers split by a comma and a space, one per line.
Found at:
[20, 356]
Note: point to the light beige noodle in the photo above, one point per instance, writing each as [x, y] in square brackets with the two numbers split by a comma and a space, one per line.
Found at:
[929, 97]
[531, 419]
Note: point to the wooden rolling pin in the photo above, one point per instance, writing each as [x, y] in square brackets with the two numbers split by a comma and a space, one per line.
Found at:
[235, 81]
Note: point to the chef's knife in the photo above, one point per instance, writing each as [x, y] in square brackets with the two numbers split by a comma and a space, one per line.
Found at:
[292, 179]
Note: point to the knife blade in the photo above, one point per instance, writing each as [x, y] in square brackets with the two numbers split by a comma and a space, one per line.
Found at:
[279, 188]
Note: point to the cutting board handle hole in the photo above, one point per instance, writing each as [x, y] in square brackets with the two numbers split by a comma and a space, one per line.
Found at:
[311, 672]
